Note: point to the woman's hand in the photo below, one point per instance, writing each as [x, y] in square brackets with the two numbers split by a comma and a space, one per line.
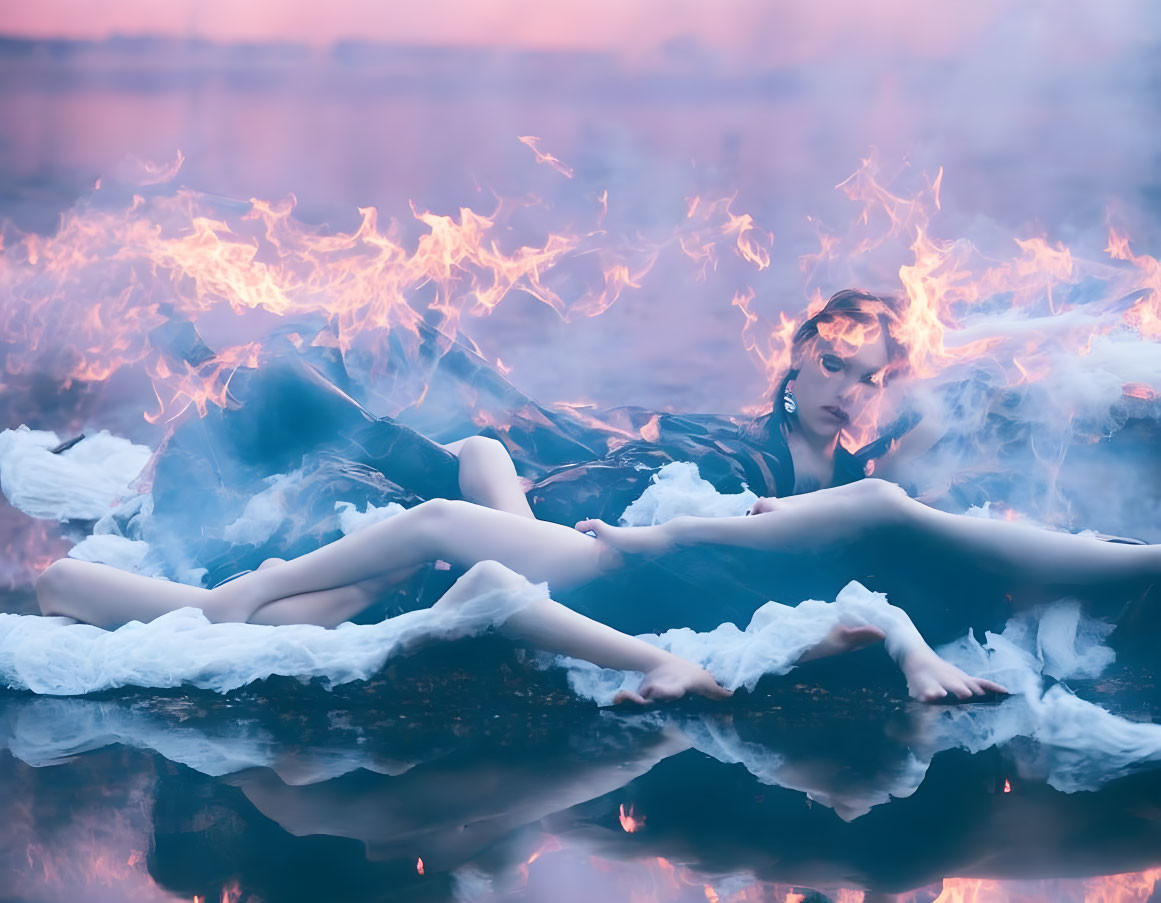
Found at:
[931, 679]
[647, 541]
[764, 505]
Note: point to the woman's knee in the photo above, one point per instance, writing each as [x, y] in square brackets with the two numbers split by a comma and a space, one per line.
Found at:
[489, 575]
[434, 516]
[440, 510]
[485, 468]
[476, 447]
[886, 503]
[482, 577]
[57, 584]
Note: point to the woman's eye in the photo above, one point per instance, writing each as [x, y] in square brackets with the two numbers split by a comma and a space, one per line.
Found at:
[873, 379]
[832, 363]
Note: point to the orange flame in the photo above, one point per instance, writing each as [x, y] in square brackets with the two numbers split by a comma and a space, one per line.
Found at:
[1145, 314]
[630, 821]
[542, 157]
[750, 242]
[1132, 887]
[951, 293]
[83, 303]
[1142, 391]
[550, 844]
[27, 547]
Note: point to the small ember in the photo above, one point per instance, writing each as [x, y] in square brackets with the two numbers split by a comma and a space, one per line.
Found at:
[630, 821]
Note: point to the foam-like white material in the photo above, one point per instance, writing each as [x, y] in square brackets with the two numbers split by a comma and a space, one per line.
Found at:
[772, 642]
[264, 512]
[82, 483]
[677, 489]
[352, 520]
[54, 656]
[116, 551]
[91, 481]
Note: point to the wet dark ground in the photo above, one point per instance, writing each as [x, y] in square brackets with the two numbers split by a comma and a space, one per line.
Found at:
[445, 781]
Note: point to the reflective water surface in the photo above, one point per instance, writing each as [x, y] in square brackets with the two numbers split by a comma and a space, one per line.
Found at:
[437, 782]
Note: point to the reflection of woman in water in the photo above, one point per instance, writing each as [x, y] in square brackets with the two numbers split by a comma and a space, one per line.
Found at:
[487, 803]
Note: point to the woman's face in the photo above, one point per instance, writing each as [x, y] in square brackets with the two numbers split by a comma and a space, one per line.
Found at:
[836, 382]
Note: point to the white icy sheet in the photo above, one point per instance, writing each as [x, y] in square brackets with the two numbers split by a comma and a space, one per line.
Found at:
[352, 520]
[265, 512]
[677, 489]
[772, 642]
[54, 656]
[91, 481]
[82, 483]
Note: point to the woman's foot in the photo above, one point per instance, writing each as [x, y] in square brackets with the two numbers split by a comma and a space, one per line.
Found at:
[647, 541]
[931, 679]
[672, 680]
[844, 639]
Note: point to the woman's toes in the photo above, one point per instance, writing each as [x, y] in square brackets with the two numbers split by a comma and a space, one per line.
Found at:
[931, 693]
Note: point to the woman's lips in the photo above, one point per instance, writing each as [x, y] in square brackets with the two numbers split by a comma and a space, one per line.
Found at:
[837, 413]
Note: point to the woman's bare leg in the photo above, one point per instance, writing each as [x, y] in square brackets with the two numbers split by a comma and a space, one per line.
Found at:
[1034, 555]
[551, 627]
[873, 509]
[457, 532]
[543, 624]
[329, 607]
[488, 477]
[107, 597]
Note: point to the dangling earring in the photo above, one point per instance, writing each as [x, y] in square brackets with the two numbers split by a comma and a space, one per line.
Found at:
[789, 402]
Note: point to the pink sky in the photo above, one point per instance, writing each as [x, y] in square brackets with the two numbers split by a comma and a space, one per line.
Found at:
[745, 31]
[750, 27]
